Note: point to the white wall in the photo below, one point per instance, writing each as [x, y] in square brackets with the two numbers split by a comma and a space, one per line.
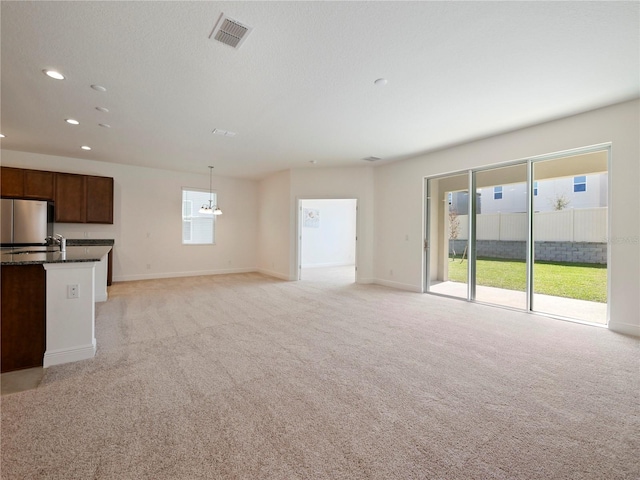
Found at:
[399, 223]
[274, 239]
[147, 218]
[332, 242]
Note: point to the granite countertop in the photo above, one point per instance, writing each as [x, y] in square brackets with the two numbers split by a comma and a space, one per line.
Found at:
[40, 255]
[85, 242]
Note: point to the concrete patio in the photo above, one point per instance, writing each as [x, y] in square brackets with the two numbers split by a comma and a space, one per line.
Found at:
[582, 310]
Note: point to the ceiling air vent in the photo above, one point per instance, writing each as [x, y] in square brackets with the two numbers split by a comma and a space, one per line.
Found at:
[372, 159]
[230, 31]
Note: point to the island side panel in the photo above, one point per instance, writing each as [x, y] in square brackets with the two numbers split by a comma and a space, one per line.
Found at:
[70, 321]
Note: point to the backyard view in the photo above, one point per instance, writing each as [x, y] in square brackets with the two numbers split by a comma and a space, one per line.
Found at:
[571, 280]
[557, 207]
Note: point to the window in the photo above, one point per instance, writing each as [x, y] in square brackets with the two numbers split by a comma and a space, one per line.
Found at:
[580, 183]
[197, 228]
[497, 193]
[535, 189]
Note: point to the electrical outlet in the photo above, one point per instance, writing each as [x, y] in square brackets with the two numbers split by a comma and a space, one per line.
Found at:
[73, 291]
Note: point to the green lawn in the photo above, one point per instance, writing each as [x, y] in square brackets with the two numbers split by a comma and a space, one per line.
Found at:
[572, 280]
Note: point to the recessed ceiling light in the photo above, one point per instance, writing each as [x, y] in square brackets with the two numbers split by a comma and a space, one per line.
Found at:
[84, 147]
[105, 125]
[102, 109]
[381, 82]
[72, 121]
[1, 135]
[53, 74]
[99, 88]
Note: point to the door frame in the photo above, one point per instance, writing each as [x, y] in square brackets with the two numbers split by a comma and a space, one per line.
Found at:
[299, 224]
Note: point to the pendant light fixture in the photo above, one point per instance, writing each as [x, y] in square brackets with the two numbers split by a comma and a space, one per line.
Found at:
[210, 209]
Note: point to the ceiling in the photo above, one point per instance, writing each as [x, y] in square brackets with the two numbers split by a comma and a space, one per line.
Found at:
[300, 92]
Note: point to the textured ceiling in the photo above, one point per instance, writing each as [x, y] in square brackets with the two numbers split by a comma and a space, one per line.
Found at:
[301, 87]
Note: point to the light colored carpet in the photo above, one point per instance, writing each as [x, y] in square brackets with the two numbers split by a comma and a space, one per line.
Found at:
[248, 377]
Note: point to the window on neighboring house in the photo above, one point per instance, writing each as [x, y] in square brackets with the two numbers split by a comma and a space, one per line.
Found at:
[535, 189]
[197, 228]
[580, 183]
[497, 193]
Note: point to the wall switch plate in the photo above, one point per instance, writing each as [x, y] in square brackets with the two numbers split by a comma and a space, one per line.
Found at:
[73, 291]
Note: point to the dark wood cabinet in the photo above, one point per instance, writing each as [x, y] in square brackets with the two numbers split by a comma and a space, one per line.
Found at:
[99, 199]
[23, 331]
[38, 184]
[70, 198]
[23, 183]
[12, 182]
[78, 198]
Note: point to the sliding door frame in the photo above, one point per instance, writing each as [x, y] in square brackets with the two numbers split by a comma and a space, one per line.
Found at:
[530, 243]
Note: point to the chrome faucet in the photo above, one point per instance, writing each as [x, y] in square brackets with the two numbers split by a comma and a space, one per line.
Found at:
[58, 239]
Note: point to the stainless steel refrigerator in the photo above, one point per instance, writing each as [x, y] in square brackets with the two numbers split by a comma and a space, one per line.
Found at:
[25, 222]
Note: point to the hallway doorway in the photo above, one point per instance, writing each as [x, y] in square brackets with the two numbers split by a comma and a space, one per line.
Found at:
[327, 240]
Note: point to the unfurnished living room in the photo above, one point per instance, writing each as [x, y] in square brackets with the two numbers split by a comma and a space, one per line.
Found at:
[320, 240]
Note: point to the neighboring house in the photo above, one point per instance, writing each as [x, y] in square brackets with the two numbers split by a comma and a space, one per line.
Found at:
[583, 191]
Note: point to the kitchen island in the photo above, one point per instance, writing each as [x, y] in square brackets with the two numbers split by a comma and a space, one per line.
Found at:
[48, 300]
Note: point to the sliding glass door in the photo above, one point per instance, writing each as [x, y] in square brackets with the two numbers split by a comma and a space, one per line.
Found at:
[501, 236]
[447, 240]
[531, 236]
[570, 231]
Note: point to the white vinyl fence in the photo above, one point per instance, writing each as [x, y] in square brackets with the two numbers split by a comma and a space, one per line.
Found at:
[573, 225]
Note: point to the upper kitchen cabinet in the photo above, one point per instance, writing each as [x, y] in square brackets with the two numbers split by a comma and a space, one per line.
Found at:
[21, 183]
[12, 182]
[83, 198]
[99, 199]
[78, 198]
[71, 198]
[38, 185]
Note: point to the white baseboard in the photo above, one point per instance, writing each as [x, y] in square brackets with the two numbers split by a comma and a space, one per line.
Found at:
[198, 273]
[57, 357]
[271, 273]
[625, 328]
[397, 285]
[102, 297]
